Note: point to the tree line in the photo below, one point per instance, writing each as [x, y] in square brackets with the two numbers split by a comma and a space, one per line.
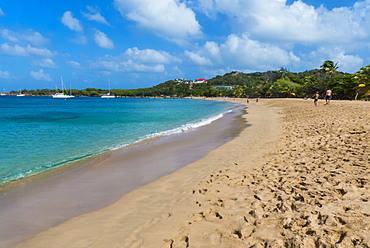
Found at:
[279, 83]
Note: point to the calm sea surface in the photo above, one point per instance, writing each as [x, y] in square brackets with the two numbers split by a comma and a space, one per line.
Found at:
[38, 133]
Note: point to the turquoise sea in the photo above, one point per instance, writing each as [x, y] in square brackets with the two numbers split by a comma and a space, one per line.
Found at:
[38, 133]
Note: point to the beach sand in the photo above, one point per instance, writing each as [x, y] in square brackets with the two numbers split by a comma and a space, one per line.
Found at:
[298, 176]
[33, 204]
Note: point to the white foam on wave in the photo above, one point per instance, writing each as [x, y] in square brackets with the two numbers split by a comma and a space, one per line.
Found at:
[183, 128]
[187, 127]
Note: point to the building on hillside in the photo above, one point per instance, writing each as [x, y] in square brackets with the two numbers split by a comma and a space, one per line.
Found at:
[181, 80]
[226, 87]
[200, 81]
[197, 81]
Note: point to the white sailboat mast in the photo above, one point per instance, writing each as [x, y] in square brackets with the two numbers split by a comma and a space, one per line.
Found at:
[61, 80]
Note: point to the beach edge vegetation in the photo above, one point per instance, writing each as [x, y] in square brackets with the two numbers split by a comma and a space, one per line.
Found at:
[273, 84]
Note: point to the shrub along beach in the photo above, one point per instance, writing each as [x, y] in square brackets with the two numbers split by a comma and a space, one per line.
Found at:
[297, 176]
[279, 83]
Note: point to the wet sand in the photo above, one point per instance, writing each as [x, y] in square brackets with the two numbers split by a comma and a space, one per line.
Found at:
[298, 176]
[46, 200]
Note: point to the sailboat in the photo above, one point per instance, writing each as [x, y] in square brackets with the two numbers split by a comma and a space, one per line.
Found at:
[108, 95]
[62, 95]
[20, 93]
[3, 93]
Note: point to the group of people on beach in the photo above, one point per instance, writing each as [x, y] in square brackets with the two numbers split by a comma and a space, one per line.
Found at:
[328, 96]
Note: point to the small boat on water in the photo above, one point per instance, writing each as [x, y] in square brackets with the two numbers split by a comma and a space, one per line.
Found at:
[108, 95]
[3, 93]
[62, 95]
[20, 93]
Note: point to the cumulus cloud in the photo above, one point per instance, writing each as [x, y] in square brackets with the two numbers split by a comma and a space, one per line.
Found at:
[34, 38]
[71, 22]
[167, 18]
[46, 63]
[74, 64]
[277, 21]
[4, 74]
[135, 60]
[80, 39]
[198, 59]
[276, 27]
[28, 50]
[244, 52]
[95, 15]
[148, 56]
[241, 53]
[27, 36]
[102, 40]
[346, 62]
[40, 75]
[9, 35]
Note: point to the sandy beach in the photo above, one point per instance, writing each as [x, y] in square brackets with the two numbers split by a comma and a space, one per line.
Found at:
[297, 176]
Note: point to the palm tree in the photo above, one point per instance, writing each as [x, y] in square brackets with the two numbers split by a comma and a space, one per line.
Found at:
[238, 91]
[363, 79]
[328, 67]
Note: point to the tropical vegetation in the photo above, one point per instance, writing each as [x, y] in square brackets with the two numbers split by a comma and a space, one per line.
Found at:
[279, 83]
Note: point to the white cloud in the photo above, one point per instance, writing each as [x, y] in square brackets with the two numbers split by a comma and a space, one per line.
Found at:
[198, 59]
[275, 21]
[346, 62]
[102, 40]
[148, 56]
[2, 12]
[28, 50]
[241, 53]
[135, 60]
[74, 64]
[9, 35]
[167, 18]
[71, 22]
[34, 38]
[46, 63]
[40, 75]
[28, 36]
[4, 74]
[80, 39]
[94, 15]
[111, 64]
[274, 29]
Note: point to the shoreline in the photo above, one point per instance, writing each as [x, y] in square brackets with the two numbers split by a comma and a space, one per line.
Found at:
[147, 206]
[298, 176]
[26, 177]
[62, 193]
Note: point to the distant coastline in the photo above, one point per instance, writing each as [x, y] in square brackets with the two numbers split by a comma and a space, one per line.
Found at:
[270, 84]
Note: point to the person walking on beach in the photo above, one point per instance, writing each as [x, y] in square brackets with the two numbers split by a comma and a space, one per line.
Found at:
[316, 98]
[328, 96]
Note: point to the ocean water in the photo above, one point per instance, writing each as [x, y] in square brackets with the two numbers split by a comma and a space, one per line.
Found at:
[39, 133]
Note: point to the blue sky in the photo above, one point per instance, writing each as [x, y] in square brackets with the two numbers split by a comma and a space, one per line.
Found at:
[141, 43]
